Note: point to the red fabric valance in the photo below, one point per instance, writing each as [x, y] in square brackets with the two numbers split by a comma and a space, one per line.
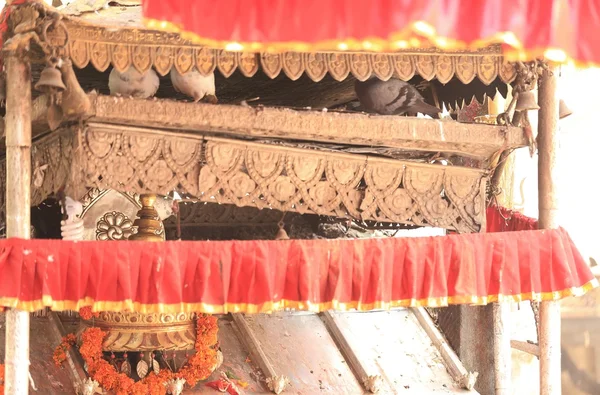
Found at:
[315, 275]
[528, 28]
[501, 219]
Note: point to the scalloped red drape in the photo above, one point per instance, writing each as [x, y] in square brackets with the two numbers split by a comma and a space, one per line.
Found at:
[315, 275]
[528, 28]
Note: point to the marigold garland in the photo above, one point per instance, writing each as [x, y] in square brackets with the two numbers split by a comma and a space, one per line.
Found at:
[198, 367]
[60, 352]
[87, 314]
[1, 378]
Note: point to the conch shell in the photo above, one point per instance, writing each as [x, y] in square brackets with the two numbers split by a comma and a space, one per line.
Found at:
[175, 386]
[90, 387]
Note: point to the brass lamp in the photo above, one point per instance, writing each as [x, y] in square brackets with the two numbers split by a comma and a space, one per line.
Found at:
[148, 221]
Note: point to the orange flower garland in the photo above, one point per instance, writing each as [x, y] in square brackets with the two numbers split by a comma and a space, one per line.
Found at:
[1, 378]
[87, 314]
[60, 353]
[198, 367]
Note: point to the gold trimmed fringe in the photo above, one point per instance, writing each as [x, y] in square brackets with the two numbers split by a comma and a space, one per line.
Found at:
[269, 307]
[417, 35]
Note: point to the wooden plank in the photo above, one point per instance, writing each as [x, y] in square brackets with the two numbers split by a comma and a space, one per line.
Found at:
[409, 133]
[393, 344]
[529, 348]
[47, 377]
[76, 369]
[236, 362]
[372, 383]
[455, 367]
[300, 347]
[275, 382]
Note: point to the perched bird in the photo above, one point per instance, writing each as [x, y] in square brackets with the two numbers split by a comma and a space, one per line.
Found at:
[392, 97]
[195, 85]
[133, 83]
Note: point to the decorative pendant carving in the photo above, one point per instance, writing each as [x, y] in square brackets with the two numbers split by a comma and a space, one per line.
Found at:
[144, 49]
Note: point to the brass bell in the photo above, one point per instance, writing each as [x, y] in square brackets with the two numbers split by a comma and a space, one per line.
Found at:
[75, 102]
[281, 233]
[563, 110]
[50, 81]
[526, 101]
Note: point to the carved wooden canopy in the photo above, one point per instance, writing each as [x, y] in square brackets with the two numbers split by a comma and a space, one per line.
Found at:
[115, 36]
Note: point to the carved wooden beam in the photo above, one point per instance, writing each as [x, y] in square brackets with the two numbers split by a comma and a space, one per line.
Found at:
[276, 383]
[371, 383]
[478, 141]
[455, 367]
[529, 348]
[471, 140]
[243, 173]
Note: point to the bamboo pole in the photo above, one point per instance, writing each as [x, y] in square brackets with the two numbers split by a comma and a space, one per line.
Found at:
[502, 349]
[18, 221]
[550, 354]
[501, 311]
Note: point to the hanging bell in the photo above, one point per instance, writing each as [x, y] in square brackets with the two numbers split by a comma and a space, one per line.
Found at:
[75, 102]
[50, 81]
[563, 110]
[281, 233]
[526, 101]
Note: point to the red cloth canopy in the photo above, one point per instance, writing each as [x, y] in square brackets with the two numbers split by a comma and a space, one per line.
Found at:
[529, 28]
[315, 275]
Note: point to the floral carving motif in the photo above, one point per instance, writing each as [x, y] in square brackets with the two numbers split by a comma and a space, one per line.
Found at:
[114, 225]
[303, 181]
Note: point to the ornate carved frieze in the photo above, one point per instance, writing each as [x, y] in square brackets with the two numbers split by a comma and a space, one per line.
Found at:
[51, 160]
[287, 179]
[126, 46]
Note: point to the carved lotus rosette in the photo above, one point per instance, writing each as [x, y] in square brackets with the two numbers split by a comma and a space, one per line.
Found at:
[114, 225]
[145, 332]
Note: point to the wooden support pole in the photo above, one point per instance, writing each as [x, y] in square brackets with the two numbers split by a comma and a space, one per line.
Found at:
[502, 350]
[503, 178]
[550, 354]
[18, 221]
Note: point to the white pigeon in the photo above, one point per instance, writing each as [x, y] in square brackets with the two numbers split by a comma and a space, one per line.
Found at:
[133, 83]
[195, 85]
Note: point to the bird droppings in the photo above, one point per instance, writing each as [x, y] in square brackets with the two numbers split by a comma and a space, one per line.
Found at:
[26, 252]
[50, 258]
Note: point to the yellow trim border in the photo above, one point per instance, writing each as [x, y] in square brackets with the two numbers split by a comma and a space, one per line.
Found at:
[270, 307]
[417, 35]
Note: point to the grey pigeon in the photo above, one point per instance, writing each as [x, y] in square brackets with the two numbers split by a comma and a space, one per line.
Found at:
[133, 83]
[392, 97]
[195, 85]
